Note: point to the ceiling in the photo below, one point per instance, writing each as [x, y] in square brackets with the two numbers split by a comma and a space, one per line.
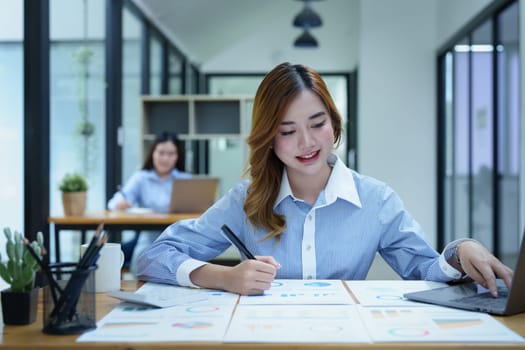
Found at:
[255, 35]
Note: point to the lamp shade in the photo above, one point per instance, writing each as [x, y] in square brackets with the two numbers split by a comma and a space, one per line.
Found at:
[305, 40]
[307, 18]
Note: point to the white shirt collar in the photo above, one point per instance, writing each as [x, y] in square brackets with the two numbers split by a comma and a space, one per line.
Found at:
[340, 184]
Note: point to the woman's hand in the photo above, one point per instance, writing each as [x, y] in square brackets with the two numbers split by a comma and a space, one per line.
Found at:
[482, 266]
[247, 278]
[253, 276]
[123, 205]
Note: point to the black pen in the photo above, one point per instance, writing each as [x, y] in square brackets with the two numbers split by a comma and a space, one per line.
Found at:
[45, 269]
[237, 242]
[82, 263]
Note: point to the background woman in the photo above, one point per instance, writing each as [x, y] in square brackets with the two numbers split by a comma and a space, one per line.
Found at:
[150, 187]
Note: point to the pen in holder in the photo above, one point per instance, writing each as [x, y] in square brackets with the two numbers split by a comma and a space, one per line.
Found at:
[69, 299]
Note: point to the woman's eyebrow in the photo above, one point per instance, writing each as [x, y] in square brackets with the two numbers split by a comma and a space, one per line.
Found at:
[313, 116]
[318, 114]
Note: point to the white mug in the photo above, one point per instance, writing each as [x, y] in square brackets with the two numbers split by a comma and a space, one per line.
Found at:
[107, 274]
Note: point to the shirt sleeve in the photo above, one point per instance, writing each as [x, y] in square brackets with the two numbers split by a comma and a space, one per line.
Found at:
[178, 174]
[450, 250]
[130, 191]
[117, 198]
[188, 244]
[404, 246]
[184, 270]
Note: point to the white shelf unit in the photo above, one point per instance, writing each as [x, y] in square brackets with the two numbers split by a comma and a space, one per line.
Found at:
[196, 117]
[220, 119]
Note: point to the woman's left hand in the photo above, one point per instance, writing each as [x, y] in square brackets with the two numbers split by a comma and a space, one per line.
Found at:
[482, 266]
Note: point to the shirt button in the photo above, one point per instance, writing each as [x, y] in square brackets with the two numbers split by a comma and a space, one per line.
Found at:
[310, 217]
[309, 277]
[308, 247]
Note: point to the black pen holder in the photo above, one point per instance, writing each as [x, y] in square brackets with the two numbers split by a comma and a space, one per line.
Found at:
[69, 299]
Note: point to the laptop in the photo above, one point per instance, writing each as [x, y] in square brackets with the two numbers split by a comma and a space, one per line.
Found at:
[472, 296]
[193, 195]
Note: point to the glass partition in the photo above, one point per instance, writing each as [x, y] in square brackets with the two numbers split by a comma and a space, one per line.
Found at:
[131, 85]
[509, 155]
[480, 123]
[175, 73]
[155, 61]
[77, 102]
[482, 130]
[11, 117]
[77, 107]
[461, 141]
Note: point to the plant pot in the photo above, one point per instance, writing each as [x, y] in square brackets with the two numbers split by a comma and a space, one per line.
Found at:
[19, 308]
[74, 203]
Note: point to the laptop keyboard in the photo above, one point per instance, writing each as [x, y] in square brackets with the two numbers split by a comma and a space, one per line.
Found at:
[486, 300]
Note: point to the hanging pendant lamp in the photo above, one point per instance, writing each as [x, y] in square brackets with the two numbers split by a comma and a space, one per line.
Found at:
[307, 18]
[305, 40]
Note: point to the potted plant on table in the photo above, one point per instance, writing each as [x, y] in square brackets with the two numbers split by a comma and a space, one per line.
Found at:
[74, 187]
[20, 300]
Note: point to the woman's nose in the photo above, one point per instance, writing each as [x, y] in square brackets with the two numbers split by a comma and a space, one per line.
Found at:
[305, 139]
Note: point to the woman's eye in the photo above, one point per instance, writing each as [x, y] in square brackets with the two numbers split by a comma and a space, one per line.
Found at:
[320, 125]
[167, 154]
[286, 133]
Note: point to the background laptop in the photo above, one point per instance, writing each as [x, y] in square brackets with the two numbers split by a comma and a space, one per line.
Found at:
[471, 296]
[193, 195]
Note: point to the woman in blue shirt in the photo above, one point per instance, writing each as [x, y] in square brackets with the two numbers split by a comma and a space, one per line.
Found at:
[303, 213]
[151, 186]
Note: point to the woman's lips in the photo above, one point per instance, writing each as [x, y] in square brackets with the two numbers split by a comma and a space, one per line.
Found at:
[309, 157]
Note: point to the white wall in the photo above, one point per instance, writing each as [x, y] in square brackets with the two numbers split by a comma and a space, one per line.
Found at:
[397, 126]
[454, 14]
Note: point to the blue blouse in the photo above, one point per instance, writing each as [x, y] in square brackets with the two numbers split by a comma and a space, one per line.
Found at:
[354, 217]
[145, 189]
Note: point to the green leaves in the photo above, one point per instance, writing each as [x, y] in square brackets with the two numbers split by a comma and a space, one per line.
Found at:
[19, 270]
[73, 183]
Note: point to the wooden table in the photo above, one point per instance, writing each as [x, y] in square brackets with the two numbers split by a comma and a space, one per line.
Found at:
[112, 220]
[31, 337]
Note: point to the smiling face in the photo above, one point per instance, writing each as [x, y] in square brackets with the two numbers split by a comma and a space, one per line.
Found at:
[165, 157]
[305, 138]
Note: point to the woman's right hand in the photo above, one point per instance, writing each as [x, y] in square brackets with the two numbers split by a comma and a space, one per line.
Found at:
[250, 277]
[253, 276]
[123, 205]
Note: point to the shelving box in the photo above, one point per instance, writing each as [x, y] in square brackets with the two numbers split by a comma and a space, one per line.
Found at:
[196, 117]
[217, 117]
[166, 115]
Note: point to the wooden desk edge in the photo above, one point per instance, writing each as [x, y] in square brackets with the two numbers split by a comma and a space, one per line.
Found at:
[121, 218]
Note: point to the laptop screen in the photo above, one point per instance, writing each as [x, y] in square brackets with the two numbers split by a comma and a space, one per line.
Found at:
[194, 195]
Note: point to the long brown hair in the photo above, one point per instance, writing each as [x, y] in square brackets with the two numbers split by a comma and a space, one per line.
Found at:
[278, 88]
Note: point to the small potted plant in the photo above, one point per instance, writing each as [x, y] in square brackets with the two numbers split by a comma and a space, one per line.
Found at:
[74, 187]
[20, 300]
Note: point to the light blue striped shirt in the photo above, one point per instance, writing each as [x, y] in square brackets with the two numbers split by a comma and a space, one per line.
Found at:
[354, 217]
[146, 189]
